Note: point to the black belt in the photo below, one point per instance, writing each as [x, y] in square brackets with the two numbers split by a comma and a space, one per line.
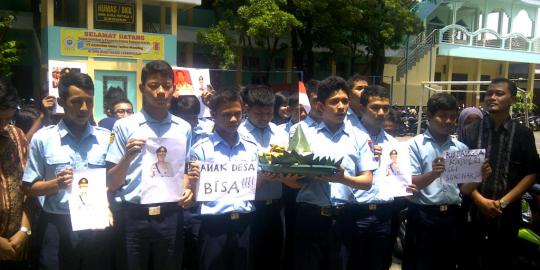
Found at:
[267, 202]
[227, 216]
[440, 208]
[371, 207]
[151, 210]
[326, 211]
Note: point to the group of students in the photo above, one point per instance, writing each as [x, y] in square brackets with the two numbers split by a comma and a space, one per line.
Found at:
[295, 222]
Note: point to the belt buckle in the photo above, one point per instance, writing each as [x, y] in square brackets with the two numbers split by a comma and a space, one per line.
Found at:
[326, 211]
[269, 202]
[372, 207]
[443, 208]
[154, 211]
[235, 216]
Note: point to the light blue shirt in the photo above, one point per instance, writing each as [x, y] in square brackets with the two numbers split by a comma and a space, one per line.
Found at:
[352, 118]
[206, 124]
[307, 122]
[55, 148]
[272, 134]
[373, 194]
[423, 149]
[215, 148]
[287, 126]
[142, 126]
[198, 133]
[346, 143]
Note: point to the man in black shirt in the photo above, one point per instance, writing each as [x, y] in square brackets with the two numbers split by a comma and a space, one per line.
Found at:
[496, 202]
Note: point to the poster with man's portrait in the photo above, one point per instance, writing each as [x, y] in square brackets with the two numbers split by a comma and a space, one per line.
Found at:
[193, 81]
[88, 205]
[394, 172]
[57, 69]
[163, 163]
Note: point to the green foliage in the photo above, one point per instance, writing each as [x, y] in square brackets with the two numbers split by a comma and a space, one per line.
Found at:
[524, 100]
[10, 50]
[220, 43]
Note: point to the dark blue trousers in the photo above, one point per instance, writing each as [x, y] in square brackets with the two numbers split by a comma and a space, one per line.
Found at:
[192, 224]
[267, 235]
[225, 242]
[431, 237]
[153, 241]
[316, 243]
[366, 233]
[62, 248]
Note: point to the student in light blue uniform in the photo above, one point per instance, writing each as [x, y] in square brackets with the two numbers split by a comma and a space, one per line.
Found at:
[55, 153]
[224, 236]
[321, 198]
[267, 227]
[357, 85]
[366, 223]
[434, 211]
[152, 232]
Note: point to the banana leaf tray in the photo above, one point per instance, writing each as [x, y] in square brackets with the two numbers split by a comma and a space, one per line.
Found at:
[301, 169]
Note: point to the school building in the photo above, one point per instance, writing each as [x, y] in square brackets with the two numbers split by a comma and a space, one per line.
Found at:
[473, 40]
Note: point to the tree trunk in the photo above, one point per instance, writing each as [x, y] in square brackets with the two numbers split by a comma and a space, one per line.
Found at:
[377, 61]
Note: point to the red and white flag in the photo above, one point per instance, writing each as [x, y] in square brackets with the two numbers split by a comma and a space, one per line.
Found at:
[303, 97]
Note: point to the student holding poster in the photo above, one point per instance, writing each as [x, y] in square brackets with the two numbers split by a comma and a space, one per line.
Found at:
[367, 233]
[511, 151]
[321, 198]
[224, 236]
[56, 153]
[150, 216]
[434, 212]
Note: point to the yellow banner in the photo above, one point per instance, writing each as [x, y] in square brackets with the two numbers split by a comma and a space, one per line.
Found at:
[96, 43]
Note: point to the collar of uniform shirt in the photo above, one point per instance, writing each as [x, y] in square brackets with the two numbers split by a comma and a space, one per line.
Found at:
[63, 130]
[427, 136]
[374, 138]
[250, 127]
[322, 126]
[216, 139]
[144, 117]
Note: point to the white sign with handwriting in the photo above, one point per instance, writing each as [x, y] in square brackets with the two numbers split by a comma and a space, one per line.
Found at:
[464, 166]
[227, 181]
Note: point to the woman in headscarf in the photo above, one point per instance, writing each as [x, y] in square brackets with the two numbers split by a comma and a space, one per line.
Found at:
[467, 116]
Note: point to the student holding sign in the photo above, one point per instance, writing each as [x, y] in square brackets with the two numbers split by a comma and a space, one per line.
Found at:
[511, 151]
[267, 227]
[56, 152]
[224, 236]
[321, 198]
[434, 212]
[149, 229]
[367, 232]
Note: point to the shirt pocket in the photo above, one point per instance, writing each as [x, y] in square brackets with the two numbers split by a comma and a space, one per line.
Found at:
[96, 160]
[56, 163]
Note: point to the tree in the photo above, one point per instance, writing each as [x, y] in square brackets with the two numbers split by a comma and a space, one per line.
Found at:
[10, 50]
[256, 24]
[220, 43]
[385, 23]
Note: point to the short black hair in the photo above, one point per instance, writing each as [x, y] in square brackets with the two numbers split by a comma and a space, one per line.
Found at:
[441, 101]
[511, 85]
[293, 101]
[8, 95]
[26, 116]
[224, 96]
[79, 80]
[161, 148]
[393, 152]
[280, 99]
[355, 78]
[329, 85]
[156, 67]
[311, 87]
[374, 91]
[393, 116]
[120, 100]
[258, 95]
[185, 106]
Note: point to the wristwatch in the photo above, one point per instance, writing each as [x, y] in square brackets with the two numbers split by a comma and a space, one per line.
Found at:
[503, 204]
[25, 230]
